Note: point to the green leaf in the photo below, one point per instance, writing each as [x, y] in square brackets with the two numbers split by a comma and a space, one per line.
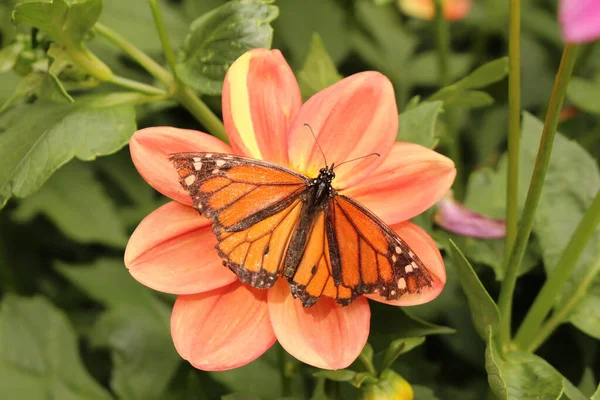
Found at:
[66, 22]
[39, 357]
[135, 328]
[108, 282]
[78, 205]
[596, 395]
[584, 94]
[490, 252]
[493, 366]
[261, 377]
[467, 99]
[400, 324]
[341, 375]
[484, 311]
[299, 20]
[386, 45]
[9, 54]
[520, 375]
[32, 148]
[318, 71]
[219, 37]
[399, 347]
[417, 125]
[423, 70]
[571, 392]
[239, 396]
[485, 75]
[424, 393]
[141, 349]
[571, 183]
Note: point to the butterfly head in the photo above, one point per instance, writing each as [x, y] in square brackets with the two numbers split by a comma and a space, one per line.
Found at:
[326, 174]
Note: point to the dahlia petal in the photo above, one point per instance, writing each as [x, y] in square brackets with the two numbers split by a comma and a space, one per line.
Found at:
[454, 10]
[579, 20]
[172, 250]
[150, 150]
[411, 179]
[260, 98]
[352, 118]
[424, 247]
[325, 335]
[222, 329]
[455, 217]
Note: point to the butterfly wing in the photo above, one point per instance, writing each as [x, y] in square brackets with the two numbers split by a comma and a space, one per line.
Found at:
[314, 276]
[255, 207]
[373, 258]
[350, 252]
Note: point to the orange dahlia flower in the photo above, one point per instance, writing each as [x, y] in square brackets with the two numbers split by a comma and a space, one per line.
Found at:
[220, 323]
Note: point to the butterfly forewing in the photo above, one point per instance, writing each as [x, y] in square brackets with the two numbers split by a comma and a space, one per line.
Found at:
[255, 207]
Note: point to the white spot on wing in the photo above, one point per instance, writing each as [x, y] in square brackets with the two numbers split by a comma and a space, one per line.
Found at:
[401, 283]
[197, 159]
[398, 250]
[408, 269]
[189, 179]
[411, 254]
[220, 163]
[394, 258]
[198, 165]
[216, 171]
[414, 265]
[208, 155]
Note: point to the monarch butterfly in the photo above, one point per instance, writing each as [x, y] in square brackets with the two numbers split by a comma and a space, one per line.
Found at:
[271, 221]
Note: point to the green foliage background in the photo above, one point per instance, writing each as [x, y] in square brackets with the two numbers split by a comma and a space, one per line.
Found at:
[75, 325]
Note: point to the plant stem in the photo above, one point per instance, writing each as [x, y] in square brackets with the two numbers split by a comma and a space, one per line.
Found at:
[559, 316]
[559, 277]
[201, 112]
[367, 364]
[514, 125]
[153, 68]
[162, 34]
[442, 41]
[442, 35]
[535, 189]
[183, 95]
[135, 85]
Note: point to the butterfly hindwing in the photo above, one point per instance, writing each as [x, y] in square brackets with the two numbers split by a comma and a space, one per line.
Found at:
[255, 207]
[373, 258]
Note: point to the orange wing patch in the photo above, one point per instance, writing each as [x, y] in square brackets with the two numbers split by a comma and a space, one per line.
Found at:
[374, 259]
[254, 206]
[314, 275]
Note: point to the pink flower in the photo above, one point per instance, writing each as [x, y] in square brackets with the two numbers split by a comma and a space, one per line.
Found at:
[454, 10]
[219, 323]
[580, 20]
[457, 218]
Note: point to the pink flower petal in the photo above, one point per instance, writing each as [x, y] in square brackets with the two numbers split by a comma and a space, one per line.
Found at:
[172, 250]
[260, 98]
[222, 329]
[150, 150]
[459, 219]
[410, 180]
[424, 247]
[325, 335]
[352, 118]
[580, 20]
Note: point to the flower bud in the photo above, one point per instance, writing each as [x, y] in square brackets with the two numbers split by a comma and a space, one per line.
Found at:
[391, 386]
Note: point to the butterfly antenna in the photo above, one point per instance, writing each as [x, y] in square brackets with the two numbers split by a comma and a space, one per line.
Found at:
[358, 158]
[316, 141]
